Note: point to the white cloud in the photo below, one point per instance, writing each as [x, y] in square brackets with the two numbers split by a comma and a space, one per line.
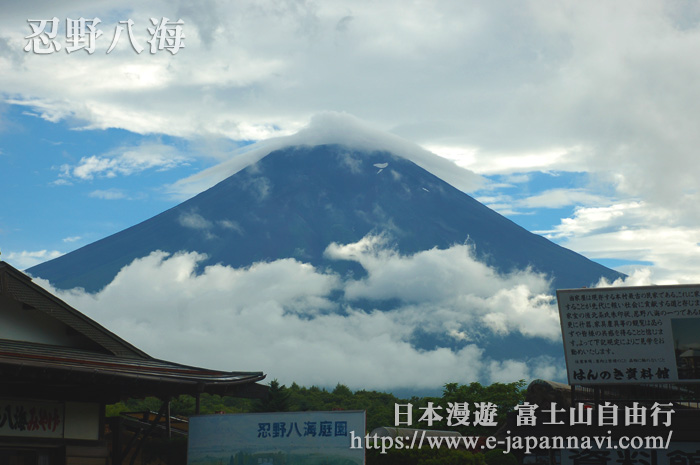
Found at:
[587, 220]
[332, 128]
[72, 239]
[552, 198]
[460, 289]
[639, 277]
[194, 220]
[26, 259]
[125, 161]
[513, 163]
[557, 198]
[60, 182]
[539, 368]
[232, 225]
[107, 194]
[278, 317]
[638, 232]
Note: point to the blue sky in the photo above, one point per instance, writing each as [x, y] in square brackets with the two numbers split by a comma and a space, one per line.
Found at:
[57, 211]
[577, 120]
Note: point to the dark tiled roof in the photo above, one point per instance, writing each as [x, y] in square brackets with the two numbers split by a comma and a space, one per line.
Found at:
[27, 354]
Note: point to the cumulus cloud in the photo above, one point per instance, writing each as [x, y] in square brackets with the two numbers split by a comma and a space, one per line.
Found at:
[280, 317]
[124, 161]
[458, 287]
[640, 277]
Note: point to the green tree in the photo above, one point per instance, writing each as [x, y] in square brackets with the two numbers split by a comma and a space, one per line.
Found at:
[504, 395]
[277, 399]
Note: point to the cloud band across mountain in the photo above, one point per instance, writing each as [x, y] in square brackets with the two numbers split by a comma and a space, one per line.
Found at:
[282, 316]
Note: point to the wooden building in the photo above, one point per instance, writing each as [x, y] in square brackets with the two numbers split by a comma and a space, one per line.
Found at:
[59, 368]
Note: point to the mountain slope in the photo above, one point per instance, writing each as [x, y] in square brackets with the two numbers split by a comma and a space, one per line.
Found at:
[296, 201]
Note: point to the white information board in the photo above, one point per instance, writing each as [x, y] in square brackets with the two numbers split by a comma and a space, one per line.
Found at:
[631, 334]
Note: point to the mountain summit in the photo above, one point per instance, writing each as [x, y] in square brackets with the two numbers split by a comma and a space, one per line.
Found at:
[293, 201]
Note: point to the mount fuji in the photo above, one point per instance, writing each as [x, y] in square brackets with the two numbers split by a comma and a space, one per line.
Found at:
[361, 207]
[296, 196]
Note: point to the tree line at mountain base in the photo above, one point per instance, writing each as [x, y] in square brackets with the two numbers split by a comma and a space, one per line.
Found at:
[379, 408]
